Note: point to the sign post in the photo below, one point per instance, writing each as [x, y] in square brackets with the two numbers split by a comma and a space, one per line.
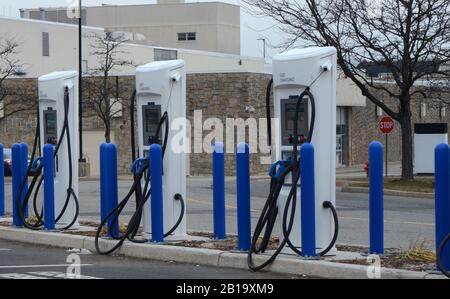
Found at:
[386, 126]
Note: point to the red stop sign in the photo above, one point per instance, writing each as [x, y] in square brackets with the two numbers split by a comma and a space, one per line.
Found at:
[386, 125]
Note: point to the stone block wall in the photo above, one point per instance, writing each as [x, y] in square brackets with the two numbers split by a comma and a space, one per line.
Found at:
[221, 96]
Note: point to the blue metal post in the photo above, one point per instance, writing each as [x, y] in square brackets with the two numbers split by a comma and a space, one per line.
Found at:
[16, 181]
[442, 193]
[219, 191]
[23, 173]
[2, 182]
[376, 199]
[49, 188]
[157, 193]
[103, 182]
[113, 189]
[243, 196]
[308, 211]
[109, 186]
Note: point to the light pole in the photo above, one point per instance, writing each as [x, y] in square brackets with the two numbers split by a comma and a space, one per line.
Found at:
[264, 46]
[80, 81]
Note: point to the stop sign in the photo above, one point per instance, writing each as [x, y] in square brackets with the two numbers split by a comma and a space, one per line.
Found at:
[386, 125]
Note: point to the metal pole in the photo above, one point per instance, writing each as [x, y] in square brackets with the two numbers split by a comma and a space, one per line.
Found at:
[157, 208]
[109, 187]
[49, 188]
[442, 200]
[2, 182]
[219, 192]
[243, 196]
[308, 210]
[80, 82]
[376, 219]
[387, 140]
[16, 182]
[24, 174]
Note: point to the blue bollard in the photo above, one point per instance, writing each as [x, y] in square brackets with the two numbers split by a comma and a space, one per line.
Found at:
[49, 188]
[376, 198]
[157, 207]
[442, 194]
[24, 174]
[2, 182]
[243, 196]
[308, 211]
[103, 182]
[16, 182]
[219, 191]
[113, 189]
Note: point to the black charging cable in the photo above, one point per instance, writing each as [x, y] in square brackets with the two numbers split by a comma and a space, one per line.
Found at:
[22, 205]
[140, 170]
[279, 174]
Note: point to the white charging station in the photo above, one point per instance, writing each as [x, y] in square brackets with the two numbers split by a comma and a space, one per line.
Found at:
[160, 88]
[52, 114]
[293, 72]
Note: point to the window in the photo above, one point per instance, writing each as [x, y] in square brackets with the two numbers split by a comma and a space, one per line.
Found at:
[165, 54]
[85, 68]
[45, 44]
[184, 36]
[379, 111]
[191, 36]
[443, 112]
[423, 110]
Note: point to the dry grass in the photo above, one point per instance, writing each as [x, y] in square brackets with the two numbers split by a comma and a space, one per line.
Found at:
[418, 257]
[419, 252]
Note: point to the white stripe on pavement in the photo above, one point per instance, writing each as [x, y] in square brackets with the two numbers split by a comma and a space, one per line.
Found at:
[20, 276]
[44, 266]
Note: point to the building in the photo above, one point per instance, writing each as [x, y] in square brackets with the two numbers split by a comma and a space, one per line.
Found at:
[221, 85]
[48, 46]
[206, 26]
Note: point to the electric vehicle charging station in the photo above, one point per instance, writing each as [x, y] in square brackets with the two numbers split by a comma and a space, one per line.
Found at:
[294, 71]
[54, 89]
[160, 89]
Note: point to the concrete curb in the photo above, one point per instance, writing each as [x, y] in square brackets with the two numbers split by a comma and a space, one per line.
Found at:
[208, 257]
[388, 192]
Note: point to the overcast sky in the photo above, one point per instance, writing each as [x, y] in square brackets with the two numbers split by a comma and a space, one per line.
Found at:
[252, 28]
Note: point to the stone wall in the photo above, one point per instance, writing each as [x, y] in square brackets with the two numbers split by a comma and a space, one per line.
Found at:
[221, 96]
[225, 96]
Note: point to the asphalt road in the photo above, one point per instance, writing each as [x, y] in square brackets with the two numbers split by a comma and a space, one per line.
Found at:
[407, 220]
[19, 261]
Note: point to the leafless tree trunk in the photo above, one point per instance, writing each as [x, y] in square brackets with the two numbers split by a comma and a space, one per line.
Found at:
[408, 39]
[10, 67]
[99, 88]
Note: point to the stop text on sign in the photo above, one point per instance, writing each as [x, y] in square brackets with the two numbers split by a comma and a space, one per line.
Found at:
[386, 125]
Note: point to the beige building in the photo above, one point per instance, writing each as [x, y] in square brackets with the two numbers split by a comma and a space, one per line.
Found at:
[206, 26]
[47, 46]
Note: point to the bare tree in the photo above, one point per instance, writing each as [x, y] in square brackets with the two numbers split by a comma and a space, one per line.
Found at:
[10, 67]
[398, 35]
[100, 87]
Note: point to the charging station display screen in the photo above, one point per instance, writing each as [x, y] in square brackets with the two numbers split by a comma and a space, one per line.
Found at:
[288, 107]
[151, 115]
[50, 127]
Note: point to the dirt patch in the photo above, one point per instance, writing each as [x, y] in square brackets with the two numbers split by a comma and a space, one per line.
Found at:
[424, 185]
[230, 244]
